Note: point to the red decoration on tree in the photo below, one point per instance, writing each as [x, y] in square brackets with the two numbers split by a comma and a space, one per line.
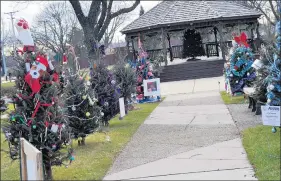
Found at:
[23, 23]
[241, 40]
[64, 59]
[33, 83]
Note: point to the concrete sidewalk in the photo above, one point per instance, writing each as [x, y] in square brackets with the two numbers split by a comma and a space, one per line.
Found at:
[187, 137]
[192, 86]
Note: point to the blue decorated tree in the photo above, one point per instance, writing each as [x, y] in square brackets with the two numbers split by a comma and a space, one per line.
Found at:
[274, 78]
[241, 73]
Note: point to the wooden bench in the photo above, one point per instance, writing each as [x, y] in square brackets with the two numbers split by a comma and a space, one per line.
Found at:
[254, 104]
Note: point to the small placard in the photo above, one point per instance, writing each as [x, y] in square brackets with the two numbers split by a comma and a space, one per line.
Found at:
[54, 128]
[122, 107]
[151, 87]
[271, 115]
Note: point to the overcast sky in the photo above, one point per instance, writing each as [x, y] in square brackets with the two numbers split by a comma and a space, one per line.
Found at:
[31, 9]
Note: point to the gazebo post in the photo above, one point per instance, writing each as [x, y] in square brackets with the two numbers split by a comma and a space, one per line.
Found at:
[164, 48]
[258, 42]
[216, 41]
[220, 27]
[170, 47]
[127, 45]
[133, 48]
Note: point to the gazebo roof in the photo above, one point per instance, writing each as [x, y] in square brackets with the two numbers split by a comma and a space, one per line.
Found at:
[168, 13]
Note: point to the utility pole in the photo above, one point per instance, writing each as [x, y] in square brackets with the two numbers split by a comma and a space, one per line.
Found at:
[4, 68]
[13, 28]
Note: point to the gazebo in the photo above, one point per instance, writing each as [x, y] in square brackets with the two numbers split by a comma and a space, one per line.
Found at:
[215, 20]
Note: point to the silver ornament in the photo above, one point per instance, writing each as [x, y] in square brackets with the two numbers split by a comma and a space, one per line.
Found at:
[73, 108]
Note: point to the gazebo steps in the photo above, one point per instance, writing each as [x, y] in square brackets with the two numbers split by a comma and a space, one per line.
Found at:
[194, 70]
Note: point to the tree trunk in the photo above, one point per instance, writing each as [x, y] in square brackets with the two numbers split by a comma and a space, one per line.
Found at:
[83, 141]
[47, 165]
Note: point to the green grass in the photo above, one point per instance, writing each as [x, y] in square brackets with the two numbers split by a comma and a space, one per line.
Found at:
[93, 160]
[8, 84]
[228, 99]
[263, 150]
[9, 110]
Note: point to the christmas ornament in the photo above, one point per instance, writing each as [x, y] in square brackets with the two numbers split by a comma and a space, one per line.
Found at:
[271, 87]
[106, 104]
[273, 130]
[248, 74]
[73, 108]
[54, 128]
[84, 97]
[88, 83]
[113, 82]
[34, 127]
[54, 146]
[102, 114]
[88, 114]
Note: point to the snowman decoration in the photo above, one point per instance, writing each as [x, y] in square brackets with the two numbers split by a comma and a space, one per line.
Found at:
[40, 66]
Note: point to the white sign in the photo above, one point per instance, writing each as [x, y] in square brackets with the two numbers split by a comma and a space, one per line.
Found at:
[122, 107]
[31, 162]
[271, 115]
[151, 87]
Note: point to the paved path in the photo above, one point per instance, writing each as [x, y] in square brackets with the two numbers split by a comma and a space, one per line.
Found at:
[187, 137]
[192, 86]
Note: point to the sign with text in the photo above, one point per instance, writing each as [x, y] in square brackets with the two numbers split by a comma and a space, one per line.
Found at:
[31, 162]
[271, 115]
[122, 107]
[151, 87]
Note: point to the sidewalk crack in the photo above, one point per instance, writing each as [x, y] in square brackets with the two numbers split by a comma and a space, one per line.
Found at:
[217, 170]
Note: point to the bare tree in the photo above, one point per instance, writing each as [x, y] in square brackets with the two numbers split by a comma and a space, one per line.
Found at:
[112, 29]
[96, 23]
[267, 8]
[54, 26]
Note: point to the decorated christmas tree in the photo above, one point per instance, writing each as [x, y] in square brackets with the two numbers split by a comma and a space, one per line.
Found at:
[241, 73]
[37, 116]
[274, 77]
[126, 80]
[143, 72]
[81, 108]
[192, 44]
[262, 71]
[80, 103]
[107, 91]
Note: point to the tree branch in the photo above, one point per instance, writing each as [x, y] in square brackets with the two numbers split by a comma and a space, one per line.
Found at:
[273, 10]
[103, 14]
[125, 10]
[94, 11]
[78, 11]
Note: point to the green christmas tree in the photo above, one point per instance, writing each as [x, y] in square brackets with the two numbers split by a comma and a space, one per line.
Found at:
[192, 44]
[38, 117]
[108, 92]
[126, 79]
[81, 108]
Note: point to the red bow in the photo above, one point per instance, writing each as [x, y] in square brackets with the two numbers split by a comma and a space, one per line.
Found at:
[242, 40]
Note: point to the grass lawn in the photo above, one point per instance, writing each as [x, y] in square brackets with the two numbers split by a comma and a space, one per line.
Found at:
[93, 160]
[263, 149]
[228, 99]
[10, 108]
[7, 84]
